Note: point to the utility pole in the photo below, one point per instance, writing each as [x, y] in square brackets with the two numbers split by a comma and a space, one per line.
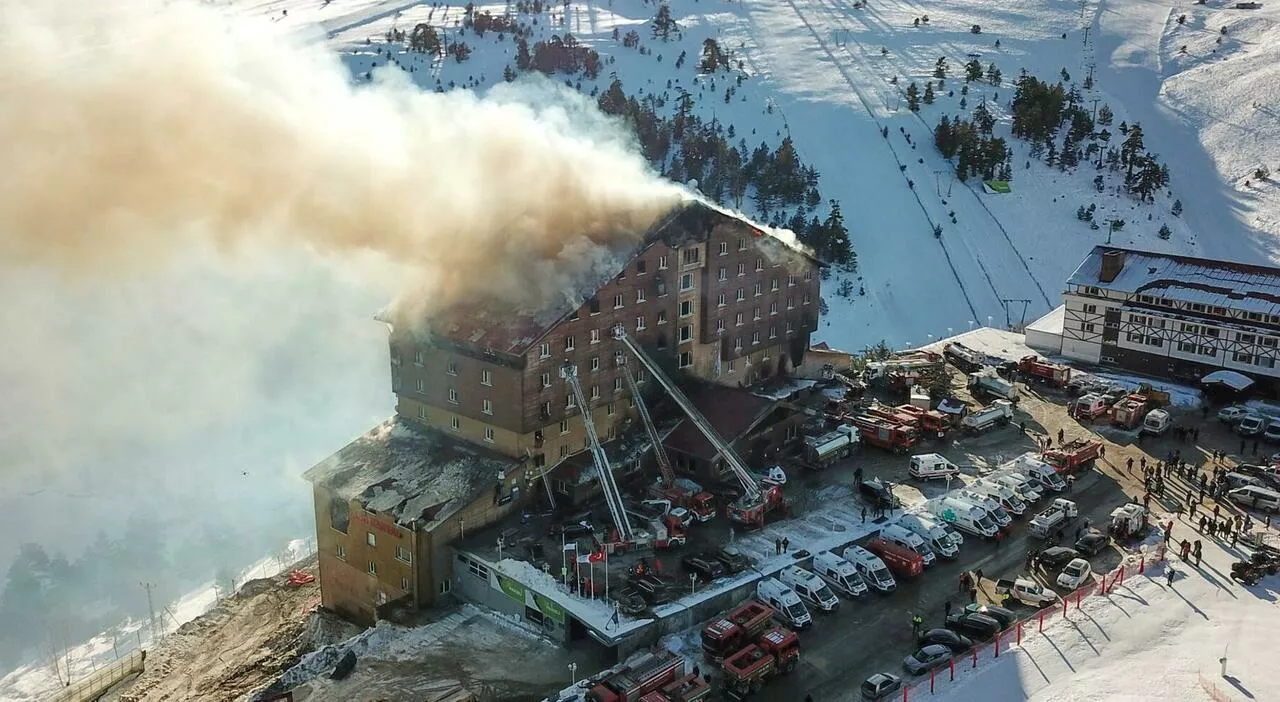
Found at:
[1086, 33]
[152, 611]
[1095, 109]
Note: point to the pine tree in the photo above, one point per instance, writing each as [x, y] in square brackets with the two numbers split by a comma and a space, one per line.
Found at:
[943, 138]
[982, 118]
[940, 68]
[1177, 208]
[993, 75]
[1165, 232]
[913, 97]
[663, 25]
[507, 74]
[973, 70]
[928, 93]
[1105, 115]
[523, 59]
[1132, 149]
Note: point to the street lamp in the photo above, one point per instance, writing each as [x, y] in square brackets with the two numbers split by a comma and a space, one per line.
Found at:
[573, 673]
[693, 583]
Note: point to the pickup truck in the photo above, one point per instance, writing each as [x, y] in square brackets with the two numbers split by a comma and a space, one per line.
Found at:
[1026, 591]
[1059, 514]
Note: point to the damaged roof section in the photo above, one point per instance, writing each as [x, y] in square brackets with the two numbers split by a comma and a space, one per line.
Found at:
[500, 328]
[417, 476]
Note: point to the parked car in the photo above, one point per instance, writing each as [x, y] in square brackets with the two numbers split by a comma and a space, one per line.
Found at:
[1057, 556]
[881, 686]
[704, 567]
[1251, 425]
[1272, 432]
[574, 527]
[733, 560]
[1232, 414]
[1114, 394]
[878, 493]
[1006, 617]
[945, 637]
[974, 625]
[1075, 574]
[1091, 542]
[926, 658]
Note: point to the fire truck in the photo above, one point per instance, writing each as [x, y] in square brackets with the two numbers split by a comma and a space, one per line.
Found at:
[630, 683]
[684, 492]
[777, 652]
[729, 633]
[1128, 413]
[929, 422]
[1043, 371]
[900, 559]
[885, 434]
[1073, 455]
[690, 688]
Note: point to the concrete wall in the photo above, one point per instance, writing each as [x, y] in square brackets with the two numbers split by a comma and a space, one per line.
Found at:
[346, 582]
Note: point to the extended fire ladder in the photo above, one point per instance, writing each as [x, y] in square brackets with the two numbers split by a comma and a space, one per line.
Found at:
[751, 490]
[612, 497]
[664, 463]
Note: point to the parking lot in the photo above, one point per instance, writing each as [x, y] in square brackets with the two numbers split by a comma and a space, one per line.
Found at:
[874, 633]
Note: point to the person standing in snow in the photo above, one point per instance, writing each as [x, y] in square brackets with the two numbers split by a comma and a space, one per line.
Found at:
[786, 544]
[946, 609]
[1195, 551]
[1168, 576]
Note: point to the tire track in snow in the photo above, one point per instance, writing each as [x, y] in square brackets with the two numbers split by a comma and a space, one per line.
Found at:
[901, 165]
[840, 11]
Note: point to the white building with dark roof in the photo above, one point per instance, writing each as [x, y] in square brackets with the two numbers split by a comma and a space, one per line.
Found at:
[1174, 316]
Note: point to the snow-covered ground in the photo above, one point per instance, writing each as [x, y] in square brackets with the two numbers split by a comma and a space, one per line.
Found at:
[1147, 640]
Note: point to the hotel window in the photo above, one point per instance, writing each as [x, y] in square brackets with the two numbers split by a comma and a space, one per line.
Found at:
[453, 396]
[742, 295]
[732, 366]
[564, 426]
[593, 306]
[595, 392]
[640, 267]
[640, 296]
[755, 313]
[686, 308]
[418, 358]
[662, 262]
[686, 332]
[791, 281]
[640, 324]
[724, 248]
[1090, 309]
[805, 301]
[691, 255]
[808, 275]
[451, 368]
[791, 327]
[737, 344]
[742, 269]
[595, 363]
[1239, 357]
[720, 300]
[488, 434]
[757, 289]
[395, 358]
[564, 450]
[773, 332]
[1187, 346]
[422, 411]
[421, 385]
[719, 325]
[662, 317]
[755, 337]
[759, 264]
[455, 423]
[402, 554]
[370, 538]
[544, 350]
[595, 336]
[486, 378]
[373, 568]
[546, 380]
[1245, 338]
[773, 308]
[773, 285]
[608, 409]
[723, 273]
[617, 384]
[686, 281]
[1254, 316]
[686, 359]
[568, 401]
[737, 319]
[568, 343]
[340, 551]
[1269, 341]
[791, 303]
[487, 406]
[742, 244]
[1088, 327]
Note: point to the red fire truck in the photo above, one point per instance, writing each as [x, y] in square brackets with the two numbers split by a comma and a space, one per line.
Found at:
[777, 652]
[629, 683]
[1074, 454]
[690, 688]
[728, 634]
[1043, 371]
[901, 560]
[885, 434]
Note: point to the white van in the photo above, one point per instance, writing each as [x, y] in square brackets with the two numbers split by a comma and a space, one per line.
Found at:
[895, 533]
[812, 589]
[872, 570]
[1000, 493]
[932, 532]
[1256, 497]
[1021, 485]
[993, 507]
[963, 515]
[1033, 467]
[839, 574]
[926, 466]
[785, 602]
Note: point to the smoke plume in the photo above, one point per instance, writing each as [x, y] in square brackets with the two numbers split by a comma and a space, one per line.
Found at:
[131, 129]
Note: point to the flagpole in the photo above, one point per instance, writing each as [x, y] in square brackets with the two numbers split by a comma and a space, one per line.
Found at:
[606, 573]
[564, 560]
[592, 566]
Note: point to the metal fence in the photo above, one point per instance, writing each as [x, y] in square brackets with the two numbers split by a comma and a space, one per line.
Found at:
[1025, 627]
[93, 685]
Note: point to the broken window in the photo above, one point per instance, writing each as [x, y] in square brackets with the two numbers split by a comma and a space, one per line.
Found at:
[339, 514]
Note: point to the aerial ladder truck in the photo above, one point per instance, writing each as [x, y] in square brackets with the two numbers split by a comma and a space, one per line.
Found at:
[612, 497]
[756, 499]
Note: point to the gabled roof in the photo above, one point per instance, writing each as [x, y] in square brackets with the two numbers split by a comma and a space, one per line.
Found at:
[732, 413]
[1241, 286]
[501, 328]
[418, 476]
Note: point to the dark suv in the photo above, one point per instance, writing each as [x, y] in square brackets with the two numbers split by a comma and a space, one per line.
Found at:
[732, 559]
[705, 567]
[878, 493]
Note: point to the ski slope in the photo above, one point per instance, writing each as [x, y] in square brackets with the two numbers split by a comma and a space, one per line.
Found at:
[820, 71]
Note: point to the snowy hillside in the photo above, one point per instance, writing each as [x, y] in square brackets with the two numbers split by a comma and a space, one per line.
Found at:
[823, 72]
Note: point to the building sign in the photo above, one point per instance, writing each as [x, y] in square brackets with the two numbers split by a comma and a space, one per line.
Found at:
[513, 589]
[549, 609]
[381, 526]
